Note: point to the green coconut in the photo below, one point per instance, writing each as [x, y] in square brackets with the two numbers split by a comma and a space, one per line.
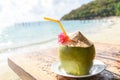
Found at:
[76, 58]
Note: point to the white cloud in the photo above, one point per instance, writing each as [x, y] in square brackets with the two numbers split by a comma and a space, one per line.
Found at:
[34, 10]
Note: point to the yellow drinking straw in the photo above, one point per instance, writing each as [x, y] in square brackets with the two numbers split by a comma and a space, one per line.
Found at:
[54, 20]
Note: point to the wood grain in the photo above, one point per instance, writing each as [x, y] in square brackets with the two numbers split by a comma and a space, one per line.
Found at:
[36, 65]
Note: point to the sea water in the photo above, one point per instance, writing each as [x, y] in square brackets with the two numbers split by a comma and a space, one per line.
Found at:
[43, 33]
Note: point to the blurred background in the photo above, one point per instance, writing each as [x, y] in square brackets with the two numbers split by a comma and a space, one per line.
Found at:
[22, 28]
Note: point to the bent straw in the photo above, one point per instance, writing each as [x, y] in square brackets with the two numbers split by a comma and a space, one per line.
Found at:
[54, 20]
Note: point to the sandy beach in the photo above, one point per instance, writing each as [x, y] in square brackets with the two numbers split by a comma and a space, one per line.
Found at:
[108, 35]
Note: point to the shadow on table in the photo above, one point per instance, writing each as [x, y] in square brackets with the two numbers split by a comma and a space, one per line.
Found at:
[105, 75]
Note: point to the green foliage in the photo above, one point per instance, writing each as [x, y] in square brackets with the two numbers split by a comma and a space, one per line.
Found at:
[118, 9]
[95, 9]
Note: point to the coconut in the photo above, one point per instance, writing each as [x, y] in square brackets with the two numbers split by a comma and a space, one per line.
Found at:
[76, 57]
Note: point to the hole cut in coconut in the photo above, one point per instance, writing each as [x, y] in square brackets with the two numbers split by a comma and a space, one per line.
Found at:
[79, 40]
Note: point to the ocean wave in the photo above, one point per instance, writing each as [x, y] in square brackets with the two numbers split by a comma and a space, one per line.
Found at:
[45, 42]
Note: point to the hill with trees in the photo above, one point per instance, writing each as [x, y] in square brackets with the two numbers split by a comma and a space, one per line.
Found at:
[95, 9]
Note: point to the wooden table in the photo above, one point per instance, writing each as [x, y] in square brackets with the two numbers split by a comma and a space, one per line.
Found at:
[36, 65]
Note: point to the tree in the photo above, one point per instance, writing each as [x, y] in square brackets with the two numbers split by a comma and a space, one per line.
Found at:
[95, 9]
[117, 9]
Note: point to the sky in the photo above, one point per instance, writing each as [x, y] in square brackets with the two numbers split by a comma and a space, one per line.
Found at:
[16, 11]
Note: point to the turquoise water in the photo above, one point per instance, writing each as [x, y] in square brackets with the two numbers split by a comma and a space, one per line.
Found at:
[38, 33]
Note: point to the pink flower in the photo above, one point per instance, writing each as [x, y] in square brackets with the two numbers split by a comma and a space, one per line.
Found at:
[62, 38]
